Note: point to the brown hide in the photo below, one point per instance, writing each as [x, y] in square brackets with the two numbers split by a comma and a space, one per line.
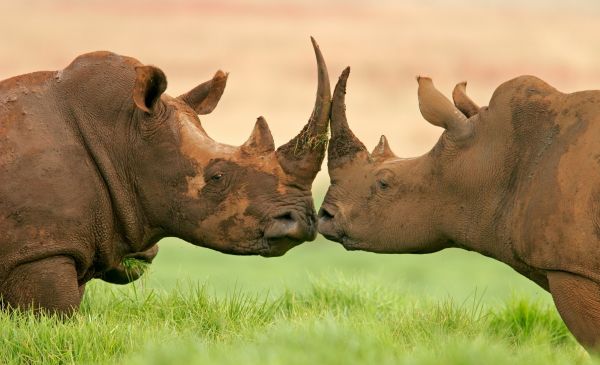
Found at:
[97, 165]
[517, 181]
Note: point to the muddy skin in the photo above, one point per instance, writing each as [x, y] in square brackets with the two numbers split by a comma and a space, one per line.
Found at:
[516, 180]
[97, 164]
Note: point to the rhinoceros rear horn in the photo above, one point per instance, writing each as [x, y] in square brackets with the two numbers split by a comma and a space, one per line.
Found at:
[302, 156]
[205, 97]
[343, 145]
[260, 140]
[439, 111]
[382, 151]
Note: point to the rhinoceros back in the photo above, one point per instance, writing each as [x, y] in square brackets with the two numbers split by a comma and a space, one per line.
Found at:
[557, 206]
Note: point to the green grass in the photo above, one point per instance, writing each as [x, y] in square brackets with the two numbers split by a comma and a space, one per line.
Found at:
[318, 304]
[332, 321]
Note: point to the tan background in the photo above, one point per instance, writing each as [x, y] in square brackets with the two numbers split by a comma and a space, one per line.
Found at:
[265, 47]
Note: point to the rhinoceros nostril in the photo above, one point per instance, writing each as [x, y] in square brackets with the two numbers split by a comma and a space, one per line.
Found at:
[283, 225]
[325, 214]
[289, 225]
[287, 216]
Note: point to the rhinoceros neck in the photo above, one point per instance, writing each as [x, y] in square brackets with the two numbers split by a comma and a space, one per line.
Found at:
[522, 137]
[130, 218]
[102, 119]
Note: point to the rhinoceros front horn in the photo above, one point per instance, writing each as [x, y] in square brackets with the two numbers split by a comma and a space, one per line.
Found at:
[343, 145]
[303, 155]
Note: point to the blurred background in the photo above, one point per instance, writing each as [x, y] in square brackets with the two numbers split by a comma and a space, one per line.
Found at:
[264, 45]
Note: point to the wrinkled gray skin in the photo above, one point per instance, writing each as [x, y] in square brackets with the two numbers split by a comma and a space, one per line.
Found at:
[518, 181]
[97, 164]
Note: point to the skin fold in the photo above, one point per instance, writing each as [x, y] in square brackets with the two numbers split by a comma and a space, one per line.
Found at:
[518, 181]
[97, 164]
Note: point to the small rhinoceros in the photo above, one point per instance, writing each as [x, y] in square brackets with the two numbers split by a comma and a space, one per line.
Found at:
[518, 181]
[97, 165]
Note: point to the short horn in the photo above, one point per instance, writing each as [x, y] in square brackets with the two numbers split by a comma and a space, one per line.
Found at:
[303, 155]
[462, 101]
[260, 140]
[343, 144]
[439, 111]
[382, 151]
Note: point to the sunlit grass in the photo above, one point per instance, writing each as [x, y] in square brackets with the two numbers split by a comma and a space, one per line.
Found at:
[334, 321]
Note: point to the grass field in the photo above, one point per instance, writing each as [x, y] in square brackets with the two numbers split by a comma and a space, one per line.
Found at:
[316, 305]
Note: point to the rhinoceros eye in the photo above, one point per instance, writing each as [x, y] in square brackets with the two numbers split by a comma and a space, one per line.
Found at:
[382, 184]
[216, 177]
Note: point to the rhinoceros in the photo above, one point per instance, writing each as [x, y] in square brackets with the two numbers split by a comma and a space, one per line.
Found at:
[518, 181]
[97, 164]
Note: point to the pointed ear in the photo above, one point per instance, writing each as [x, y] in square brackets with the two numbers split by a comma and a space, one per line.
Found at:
[205, 97]
[462, 101]
[382, 150]
[439, 111]
[261, 140]
[150, 83]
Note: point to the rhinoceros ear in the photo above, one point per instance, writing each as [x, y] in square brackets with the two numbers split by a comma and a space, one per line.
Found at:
[205, 97]
[150, 83]
[439, 111]
[462, 101]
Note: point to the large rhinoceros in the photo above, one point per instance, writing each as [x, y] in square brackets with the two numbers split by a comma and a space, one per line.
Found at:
[97, 165]
[518, 181]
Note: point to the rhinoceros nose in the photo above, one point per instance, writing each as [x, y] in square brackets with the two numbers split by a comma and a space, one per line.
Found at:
[327, 226]
[291, 226]
[325, 214]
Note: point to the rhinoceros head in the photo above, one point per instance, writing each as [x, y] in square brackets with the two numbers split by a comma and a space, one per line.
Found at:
[380, 202]
[248, 199]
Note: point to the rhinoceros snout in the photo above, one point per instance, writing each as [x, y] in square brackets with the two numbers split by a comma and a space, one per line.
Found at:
[327, 225]
[286, 231]
[289, 225]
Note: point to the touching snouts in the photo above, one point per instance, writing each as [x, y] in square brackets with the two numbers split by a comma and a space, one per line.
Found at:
[290, 228]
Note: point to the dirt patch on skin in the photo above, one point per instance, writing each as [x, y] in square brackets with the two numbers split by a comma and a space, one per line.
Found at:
[305, 142]
[344, 148]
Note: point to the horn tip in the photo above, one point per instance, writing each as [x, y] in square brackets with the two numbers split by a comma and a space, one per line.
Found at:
[345, 73]
[221, 74]
[314, 44]
[261, 119]
[382, 139]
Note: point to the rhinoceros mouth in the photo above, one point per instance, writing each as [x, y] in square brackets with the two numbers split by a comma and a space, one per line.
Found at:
[350, 244]
[340, 237]
[278, 247]
[262, 246]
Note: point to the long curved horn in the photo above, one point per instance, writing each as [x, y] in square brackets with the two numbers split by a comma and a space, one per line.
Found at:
[303, 155]
[343, 144]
